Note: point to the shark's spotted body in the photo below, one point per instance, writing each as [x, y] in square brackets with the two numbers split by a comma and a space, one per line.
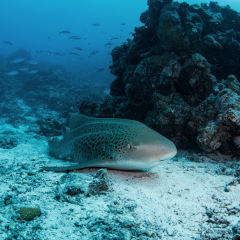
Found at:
[112, 143]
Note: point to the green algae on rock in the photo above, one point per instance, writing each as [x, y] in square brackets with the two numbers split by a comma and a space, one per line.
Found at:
[28, 214]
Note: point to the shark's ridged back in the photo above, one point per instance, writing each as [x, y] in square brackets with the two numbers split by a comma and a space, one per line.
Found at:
[78, 120]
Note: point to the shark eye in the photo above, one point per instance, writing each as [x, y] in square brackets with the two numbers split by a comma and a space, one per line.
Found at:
[130, 146]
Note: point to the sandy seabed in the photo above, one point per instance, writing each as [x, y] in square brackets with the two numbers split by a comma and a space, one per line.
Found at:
[182, 198]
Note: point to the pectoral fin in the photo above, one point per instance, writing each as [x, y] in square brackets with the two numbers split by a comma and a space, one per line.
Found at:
[73, 167]
[89, 163]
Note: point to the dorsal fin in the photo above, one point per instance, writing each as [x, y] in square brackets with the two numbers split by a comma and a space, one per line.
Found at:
[77, 120]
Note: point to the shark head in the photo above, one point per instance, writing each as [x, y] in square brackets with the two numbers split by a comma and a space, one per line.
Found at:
[142, 148]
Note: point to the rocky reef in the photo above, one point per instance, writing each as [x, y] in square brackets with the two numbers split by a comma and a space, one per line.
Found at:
[179, 75]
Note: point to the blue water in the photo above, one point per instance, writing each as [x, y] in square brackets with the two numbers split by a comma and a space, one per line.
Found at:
[35, 24]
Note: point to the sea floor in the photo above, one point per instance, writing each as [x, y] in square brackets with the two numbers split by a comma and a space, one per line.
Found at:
[190, 196]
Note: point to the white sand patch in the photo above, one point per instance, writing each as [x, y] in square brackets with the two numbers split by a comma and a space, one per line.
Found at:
[170, 200]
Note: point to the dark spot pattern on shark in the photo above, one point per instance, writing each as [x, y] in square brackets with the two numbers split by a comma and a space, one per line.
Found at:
[112, 143]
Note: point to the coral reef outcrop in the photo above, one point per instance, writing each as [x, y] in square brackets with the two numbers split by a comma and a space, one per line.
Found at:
[170, 76]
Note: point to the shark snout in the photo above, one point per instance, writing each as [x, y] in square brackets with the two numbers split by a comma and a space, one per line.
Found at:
[170, 154]
[168, 151]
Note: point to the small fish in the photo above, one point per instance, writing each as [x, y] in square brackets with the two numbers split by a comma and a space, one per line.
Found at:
[76, 54]
[17, 60]
[78, 48]
[74, 37]
[114, 37]
[64, 32]
[12, 73]
[109, 43]
[96, 24]
[94, 52]
[98, 69]
[33, 62]
[23, 69]
[6, 42]
[46, 52]
[123, 24]
[33, 71]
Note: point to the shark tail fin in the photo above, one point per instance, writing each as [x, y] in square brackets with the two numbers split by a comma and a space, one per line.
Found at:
[90, 163]
[52, 146]
[59, 169]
